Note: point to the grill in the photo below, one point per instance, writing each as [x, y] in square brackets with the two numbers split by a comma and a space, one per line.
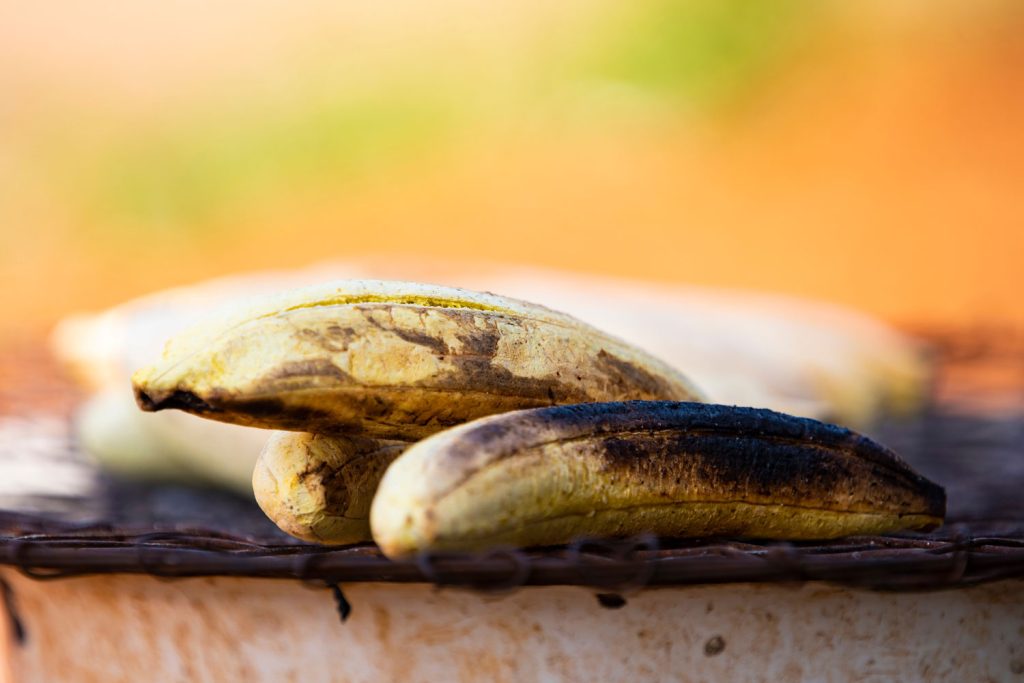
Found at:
[969, 439]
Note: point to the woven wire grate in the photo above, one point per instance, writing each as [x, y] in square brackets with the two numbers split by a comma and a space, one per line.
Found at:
[969, 439]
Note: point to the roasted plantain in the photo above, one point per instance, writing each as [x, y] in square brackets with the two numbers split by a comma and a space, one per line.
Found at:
[545, 476]
[394, 360]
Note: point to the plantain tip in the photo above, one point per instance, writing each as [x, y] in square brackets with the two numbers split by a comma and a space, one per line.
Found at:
[180, 399]
[936, 497]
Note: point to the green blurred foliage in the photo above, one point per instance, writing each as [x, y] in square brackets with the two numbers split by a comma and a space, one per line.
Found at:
[695, 54]
[704, 52]
[203, 169]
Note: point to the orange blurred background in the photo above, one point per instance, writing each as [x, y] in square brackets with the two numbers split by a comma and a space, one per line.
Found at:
[867, 153]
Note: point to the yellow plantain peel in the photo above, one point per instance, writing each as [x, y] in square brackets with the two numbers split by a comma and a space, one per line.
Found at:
[319, 488]
[394, 360]
[546, 476]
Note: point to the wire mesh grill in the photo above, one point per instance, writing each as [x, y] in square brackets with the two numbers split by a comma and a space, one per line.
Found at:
[969, 439]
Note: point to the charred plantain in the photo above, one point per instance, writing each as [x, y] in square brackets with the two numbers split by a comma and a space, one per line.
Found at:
[394, 360]
[545, 476]
[319, 488]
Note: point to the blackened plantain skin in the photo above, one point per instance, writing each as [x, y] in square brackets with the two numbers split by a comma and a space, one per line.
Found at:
[735, 445]
[671, 468]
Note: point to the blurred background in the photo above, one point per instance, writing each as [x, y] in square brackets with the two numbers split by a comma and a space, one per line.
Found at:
[869, 153]
[866, 154]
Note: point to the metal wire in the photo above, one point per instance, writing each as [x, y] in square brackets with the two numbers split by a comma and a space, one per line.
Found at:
[620, 566]
[977, 455]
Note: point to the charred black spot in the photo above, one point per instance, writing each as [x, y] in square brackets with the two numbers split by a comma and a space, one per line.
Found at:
[729, 463]
[412, 336]
[714, 646]
[616, 416]
[274, 411]
[485, 436]
[263, 407]
[144, 400]
[319, 367]
[528, 392]
[630, 378]
[480, 342]
[332, 480]
[391, 419]
[935, 498]
[611, 600]
[624, 453]
[769, 468]
[180, 399]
